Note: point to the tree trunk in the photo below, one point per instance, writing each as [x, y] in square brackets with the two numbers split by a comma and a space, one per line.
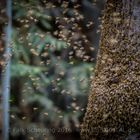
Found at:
[6, 72]
[114, 103]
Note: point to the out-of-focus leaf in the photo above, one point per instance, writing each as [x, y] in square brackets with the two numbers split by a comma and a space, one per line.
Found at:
[46, 24]
[23, 70]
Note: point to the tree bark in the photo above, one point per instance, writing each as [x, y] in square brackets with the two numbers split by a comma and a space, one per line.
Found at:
[113, 108]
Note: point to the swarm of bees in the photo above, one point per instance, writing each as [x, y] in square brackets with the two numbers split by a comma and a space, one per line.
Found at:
[67, 21]
[113, 110]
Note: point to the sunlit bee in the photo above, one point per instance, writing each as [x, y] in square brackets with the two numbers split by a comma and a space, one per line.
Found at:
[60, 116]
[12, 116]
[46, 114]
[23, 118]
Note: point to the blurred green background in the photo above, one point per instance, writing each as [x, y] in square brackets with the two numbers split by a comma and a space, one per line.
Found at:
[54, 46]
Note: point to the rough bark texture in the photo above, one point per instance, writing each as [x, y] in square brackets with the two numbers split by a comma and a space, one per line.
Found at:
[114, 103]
